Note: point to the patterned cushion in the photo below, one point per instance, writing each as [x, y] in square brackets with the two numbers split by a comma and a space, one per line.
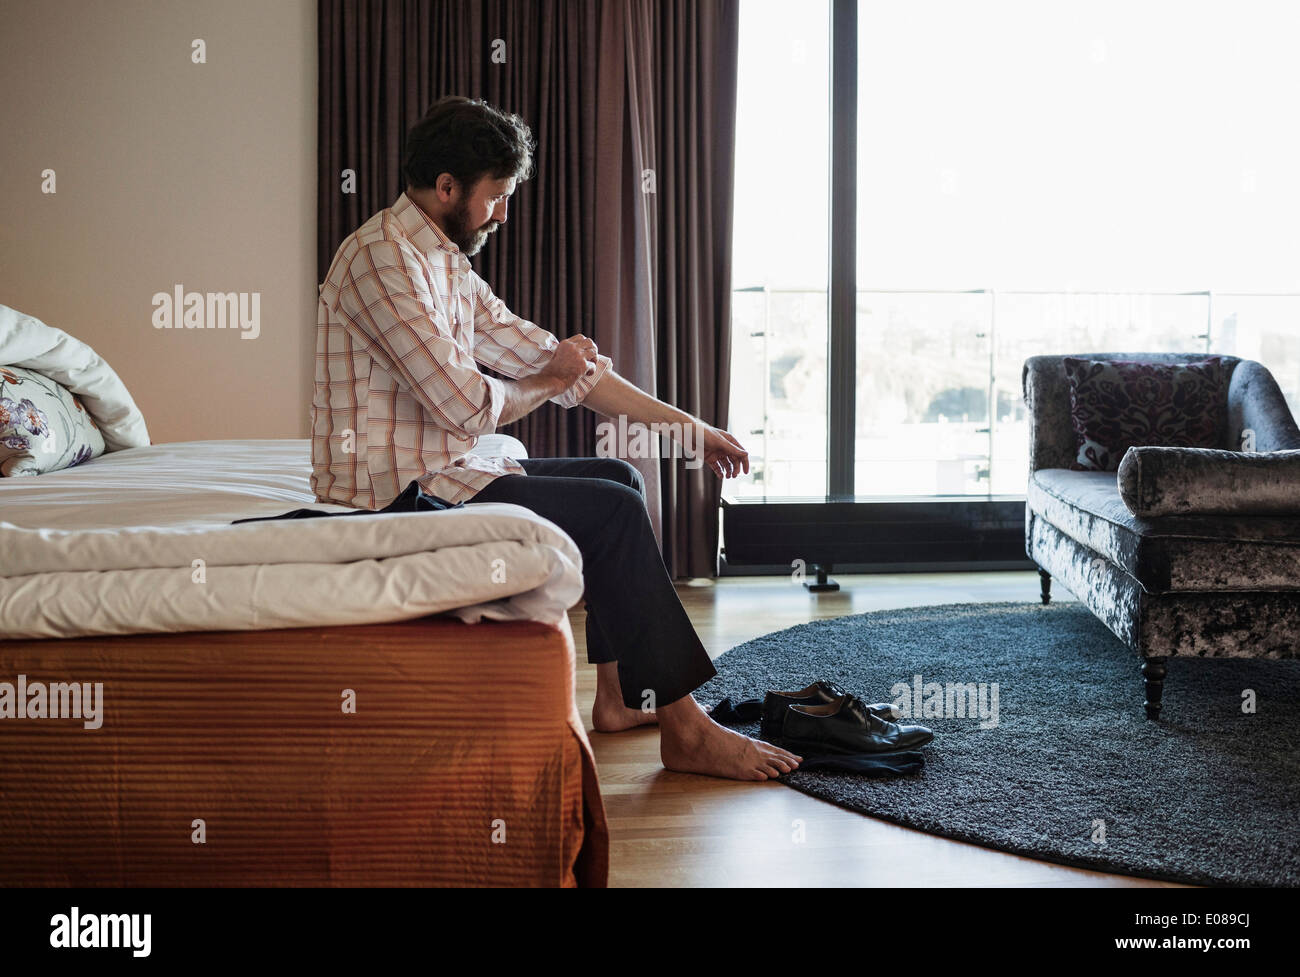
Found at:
[43, 427]
[1118, 404]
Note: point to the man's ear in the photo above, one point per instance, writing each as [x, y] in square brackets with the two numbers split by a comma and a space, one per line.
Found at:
[447, 187]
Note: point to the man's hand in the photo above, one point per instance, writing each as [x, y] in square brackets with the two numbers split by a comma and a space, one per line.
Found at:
[570, 361]
[573, 359]
[723, 453]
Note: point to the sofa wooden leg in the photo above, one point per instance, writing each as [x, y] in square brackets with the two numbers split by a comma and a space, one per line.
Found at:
[1046, 581]
[1153, 678]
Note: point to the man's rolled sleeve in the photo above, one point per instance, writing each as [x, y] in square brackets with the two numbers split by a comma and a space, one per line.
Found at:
[497, 393]
[517, 348]
[387, 297]
[584, 384]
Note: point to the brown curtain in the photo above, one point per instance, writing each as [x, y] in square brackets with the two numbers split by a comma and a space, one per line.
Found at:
[612, 89]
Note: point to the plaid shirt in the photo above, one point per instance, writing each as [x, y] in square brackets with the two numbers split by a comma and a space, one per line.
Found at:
[398, 396]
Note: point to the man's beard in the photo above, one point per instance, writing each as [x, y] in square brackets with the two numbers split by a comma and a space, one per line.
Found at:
[469, 240]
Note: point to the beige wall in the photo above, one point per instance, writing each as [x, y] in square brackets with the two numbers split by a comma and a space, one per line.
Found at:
[168, 173]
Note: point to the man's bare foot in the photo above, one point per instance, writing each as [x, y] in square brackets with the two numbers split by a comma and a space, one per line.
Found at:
[614, 717]
[609, 714]
[691, 742]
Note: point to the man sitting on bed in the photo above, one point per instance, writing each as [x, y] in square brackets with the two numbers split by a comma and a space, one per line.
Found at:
[401, 321]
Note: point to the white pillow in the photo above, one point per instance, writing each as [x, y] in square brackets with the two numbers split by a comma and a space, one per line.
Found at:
[31, 344]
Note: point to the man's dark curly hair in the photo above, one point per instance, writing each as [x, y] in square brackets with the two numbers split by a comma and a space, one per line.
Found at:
[467, 138]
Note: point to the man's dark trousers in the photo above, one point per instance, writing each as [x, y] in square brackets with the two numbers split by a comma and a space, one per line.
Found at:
[634, 615]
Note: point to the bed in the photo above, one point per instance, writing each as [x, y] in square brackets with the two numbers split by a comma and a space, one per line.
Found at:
[380, 699]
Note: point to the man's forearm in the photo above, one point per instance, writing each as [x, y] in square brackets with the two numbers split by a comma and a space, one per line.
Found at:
[526, 395]
[614, 396]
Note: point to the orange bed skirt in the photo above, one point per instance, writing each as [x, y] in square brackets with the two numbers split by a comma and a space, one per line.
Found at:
[418, 753]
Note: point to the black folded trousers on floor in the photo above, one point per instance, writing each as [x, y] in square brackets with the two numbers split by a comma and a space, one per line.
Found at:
[634, 615]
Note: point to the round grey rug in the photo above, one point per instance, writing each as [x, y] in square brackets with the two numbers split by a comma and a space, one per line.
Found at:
[1043, 748]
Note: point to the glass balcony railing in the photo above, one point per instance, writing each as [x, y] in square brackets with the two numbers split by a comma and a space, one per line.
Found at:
[939, 410]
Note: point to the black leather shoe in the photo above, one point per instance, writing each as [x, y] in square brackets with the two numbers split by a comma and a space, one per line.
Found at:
[777, 704]
[847, 726]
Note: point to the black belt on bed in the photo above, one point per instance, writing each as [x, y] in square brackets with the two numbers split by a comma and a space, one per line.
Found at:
[412, 499]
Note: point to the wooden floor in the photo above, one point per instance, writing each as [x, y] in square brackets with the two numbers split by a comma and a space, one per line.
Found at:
[670, 829]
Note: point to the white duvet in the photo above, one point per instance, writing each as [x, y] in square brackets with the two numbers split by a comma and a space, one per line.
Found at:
[139, 540]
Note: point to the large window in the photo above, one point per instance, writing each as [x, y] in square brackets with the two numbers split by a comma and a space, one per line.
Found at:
[1030, 178]
[779, 321]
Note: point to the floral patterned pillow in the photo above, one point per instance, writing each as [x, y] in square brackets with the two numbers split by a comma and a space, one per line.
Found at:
[1119, 404]
[43, 427]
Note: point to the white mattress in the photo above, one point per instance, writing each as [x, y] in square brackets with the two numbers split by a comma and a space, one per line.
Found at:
[109, 547]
